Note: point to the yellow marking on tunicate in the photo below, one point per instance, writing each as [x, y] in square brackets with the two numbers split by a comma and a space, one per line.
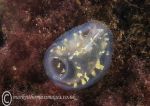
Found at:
[99, 65]
[106, 39]
[58, 47]
[58, 66]
[100, 30]
[91, 39]
[83, 81]
[83, 50]
[74, 34]
[78, 44]
[79, 68]
[76, 53]
[79, 75]
[105, 34]
[86, 77]
[58, 50]
[71, 57]
[107, 53]
[101, 52]
[93, 73]
[63, 71]
[63, 48]
[75, 85]
[65, 40]
[104, 44]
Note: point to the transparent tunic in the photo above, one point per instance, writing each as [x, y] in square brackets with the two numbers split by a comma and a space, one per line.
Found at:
[80, 57]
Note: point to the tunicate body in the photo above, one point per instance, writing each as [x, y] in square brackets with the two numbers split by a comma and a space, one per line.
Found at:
[79, 57]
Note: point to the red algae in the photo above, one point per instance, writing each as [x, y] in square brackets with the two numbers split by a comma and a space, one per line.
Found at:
[30, 26]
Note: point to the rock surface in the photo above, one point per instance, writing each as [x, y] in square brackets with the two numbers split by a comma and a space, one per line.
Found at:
[31, 26]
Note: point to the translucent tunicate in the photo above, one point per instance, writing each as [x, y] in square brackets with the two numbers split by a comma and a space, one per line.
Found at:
[79, 57]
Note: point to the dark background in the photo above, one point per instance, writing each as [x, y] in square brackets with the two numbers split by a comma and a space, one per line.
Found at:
[29, 27]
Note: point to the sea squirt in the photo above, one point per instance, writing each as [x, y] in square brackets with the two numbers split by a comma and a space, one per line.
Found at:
[79, 57]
